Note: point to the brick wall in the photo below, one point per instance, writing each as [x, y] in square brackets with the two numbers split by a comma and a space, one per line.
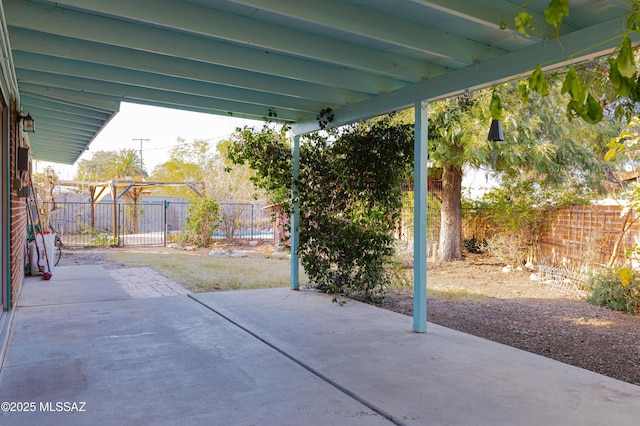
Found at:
[18, 220]
[585, 235]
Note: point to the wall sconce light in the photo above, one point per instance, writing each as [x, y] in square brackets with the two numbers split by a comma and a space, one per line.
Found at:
[24, 192]
[495, 131]
[28, 125]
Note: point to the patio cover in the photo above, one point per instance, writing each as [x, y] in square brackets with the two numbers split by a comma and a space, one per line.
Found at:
[71, 62]
[76, 60]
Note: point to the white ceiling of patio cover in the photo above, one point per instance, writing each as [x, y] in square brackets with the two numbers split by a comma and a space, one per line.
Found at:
[76, 60]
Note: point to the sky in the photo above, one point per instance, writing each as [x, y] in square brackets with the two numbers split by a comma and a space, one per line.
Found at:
[161, 126]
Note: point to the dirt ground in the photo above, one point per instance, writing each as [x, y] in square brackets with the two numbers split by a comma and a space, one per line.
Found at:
[475, 296]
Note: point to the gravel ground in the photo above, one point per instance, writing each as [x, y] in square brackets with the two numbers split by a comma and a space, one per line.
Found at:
[474, 296]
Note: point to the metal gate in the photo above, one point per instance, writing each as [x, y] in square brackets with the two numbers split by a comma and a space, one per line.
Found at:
[142, 224]
[106, 224]
[150, 223]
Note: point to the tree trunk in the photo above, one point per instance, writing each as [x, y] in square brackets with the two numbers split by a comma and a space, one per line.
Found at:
[450, 247]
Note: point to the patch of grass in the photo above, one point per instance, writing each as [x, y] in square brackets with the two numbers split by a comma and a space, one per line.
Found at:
[461, 295]
[402, 281]
[200, 273]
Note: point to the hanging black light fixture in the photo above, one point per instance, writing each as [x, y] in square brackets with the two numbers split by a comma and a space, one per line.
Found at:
[495, 131]
[28, 125]
[495, 135]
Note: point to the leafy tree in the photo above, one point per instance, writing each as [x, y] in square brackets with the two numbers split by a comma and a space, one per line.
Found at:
[197, 161]
[544, 151]
[188, 162]
[623, 79]
[351, 196]
[97, 169]
[454, 140]
[626, 149]
[268, 153]
[109, 165]
[231, 182]
[197, 153]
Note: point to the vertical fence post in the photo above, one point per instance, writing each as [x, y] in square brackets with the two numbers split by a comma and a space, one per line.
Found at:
[119, 225]
[164, 223]
[114, 194]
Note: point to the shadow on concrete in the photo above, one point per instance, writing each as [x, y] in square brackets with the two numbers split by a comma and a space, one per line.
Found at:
[272, 357]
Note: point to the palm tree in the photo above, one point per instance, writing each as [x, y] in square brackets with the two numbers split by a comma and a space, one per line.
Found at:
[127, 164]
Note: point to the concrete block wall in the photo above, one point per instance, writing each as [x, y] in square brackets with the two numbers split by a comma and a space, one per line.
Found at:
[586, 235]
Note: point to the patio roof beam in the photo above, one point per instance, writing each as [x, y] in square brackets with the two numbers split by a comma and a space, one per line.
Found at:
[77, 121]
[521, 63]
[490, 14]
[94, 101]
[136, 94]
[450, 49]
[97, 53]
[83, 26]
[110, 74]
[62, 107]
[220, 25]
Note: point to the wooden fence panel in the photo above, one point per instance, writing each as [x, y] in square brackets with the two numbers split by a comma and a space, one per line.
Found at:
[586, 235]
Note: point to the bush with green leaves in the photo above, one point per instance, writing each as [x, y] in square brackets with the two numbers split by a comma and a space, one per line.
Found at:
[474, 245]
[350, 197]
[618, 289]
[202, 221]
[98, 239]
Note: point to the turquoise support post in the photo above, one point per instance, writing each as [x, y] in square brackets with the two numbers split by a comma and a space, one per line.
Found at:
[295, 215]
[420, 219]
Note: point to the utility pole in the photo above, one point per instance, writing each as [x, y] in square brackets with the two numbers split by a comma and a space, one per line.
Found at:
[141, 140]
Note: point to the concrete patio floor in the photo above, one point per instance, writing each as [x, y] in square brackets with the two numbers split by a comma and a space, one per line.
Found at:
[81, 350]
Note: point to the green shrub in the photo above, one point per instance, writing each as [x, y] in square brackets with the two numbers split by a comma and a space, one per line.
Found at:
[351, 196]
[98, 239]
[103, 239]
[473, 245]
[202, 221]
[618, 289]
[350, 192]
